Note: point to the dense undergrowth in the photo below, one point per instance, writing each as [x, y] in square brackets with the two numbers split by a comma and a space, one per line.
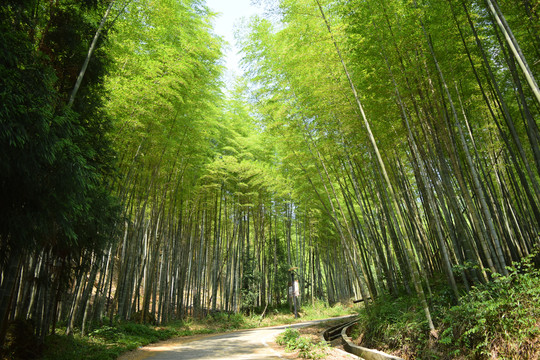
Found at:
[107, 342]
[497, 320]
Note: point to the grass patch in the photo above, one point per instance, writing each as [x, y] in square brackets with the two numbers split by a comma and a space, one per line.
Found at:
[105, 342]
[307, 349]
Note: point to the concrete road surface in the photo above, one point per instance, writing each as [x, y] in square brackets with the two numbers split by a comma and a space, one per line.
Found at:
[240, 345]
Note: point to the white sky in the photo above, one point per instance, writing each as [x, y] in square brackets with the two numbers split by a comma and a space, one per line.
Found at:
[230, 12]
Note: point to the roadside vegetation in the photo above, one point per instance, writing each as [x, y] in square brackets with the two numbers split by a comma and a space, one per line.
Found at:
[108, 341]
[306, 347]
[497, 320]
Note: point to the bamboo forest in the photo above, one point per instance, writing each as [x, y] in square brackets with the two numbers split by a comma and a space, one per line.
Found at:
[373, 149]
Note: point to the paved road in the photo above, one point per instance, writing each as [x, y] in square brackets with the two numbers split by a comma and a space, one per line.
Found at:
[240, 345]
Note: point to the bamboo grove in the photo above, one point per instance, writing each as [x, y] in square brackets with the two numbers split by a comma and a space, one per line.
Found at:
[376, 146]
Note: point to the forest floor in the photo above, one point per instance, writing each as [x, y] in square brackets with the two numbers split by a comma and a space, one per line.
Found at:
[254, 344]
[499, 319]
[108, 342]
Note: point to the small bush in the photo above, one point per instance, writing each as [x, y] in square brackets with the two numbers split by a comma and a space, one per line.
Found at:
[288, 338]
[292, 341]
[61, 347]
[236, 321]
[499, 319]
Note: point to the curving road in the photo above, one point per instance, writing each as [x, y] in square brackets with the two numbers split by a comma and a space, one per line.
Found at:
[241, 345]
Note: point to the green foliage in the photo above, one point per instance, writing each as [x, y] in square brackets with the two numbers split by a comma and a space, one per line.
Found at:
[250, 278]
[392, 322]
[292, 341]
[495, 320]
[53, 160]
[28, 140]
[288, 338]
[165, 62]
[107, 333]
[129, 332]
[106, 342]
[143, 317]
[226, 321]
[499, 318]
[320, 309]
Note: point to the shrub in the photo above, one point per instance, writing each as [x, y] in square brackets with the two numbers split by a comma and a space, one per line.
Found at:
[288, 338]
[500, 318]
[292, 341]
[236, 321]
